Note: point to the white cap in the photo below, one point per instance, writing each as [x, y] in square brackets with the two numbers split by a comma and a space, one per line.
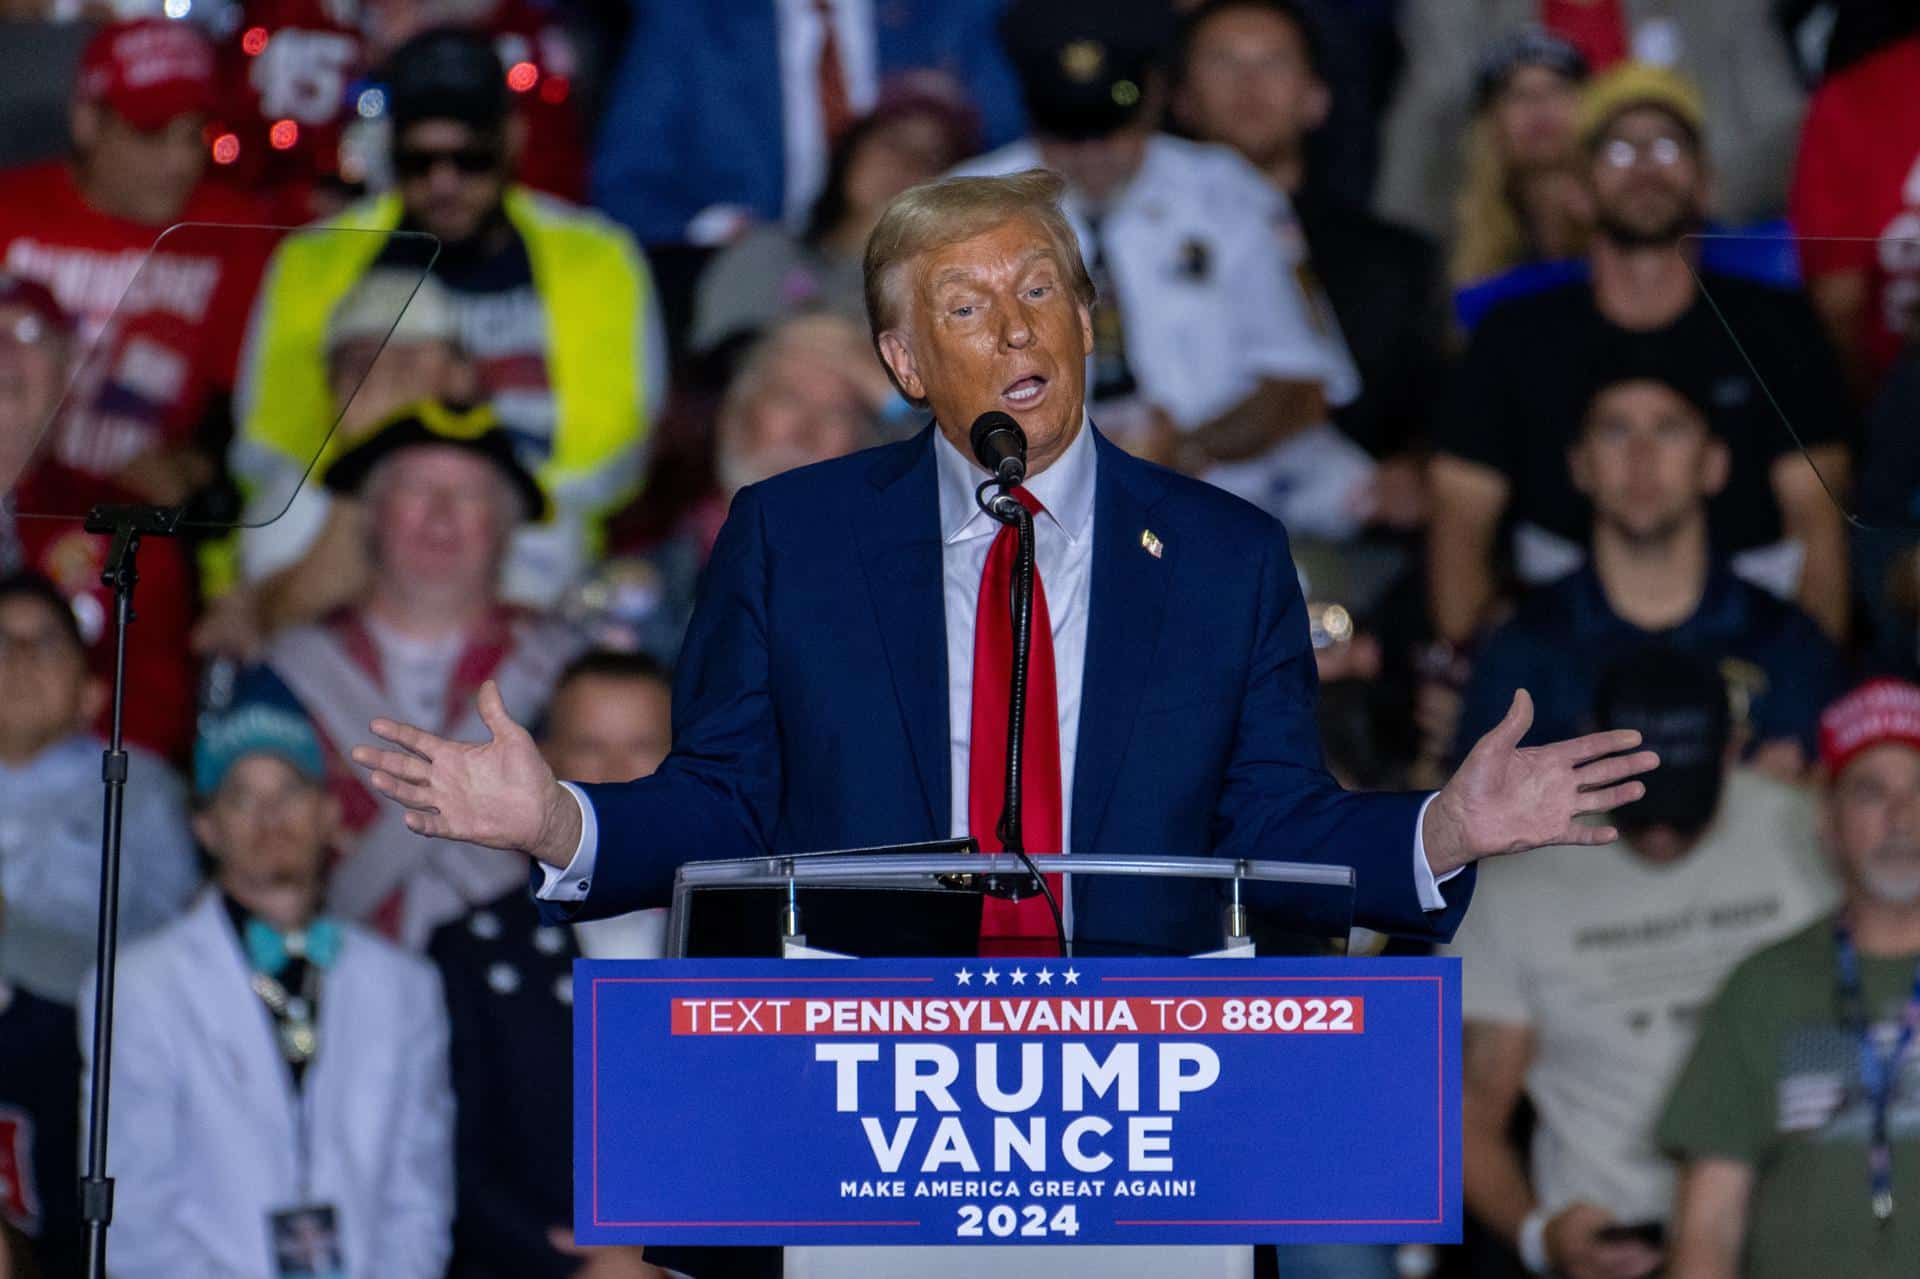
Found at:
[370, 308]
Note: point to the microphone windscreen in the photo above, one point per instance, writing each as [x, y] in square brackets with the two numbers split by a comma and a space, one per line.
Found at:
[996, 435]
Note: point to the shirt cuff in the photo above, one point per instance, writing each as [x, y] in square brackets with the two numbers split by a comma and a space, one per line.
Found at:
[572, 884]
[1425, 886]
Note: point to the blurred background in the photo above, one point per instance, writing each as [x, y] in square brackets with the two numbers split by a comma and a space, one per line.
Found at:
[1570, 339]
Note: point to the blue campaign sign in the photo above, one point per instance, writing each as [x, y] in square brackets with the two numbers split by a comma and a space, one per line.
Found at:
[909, 1101]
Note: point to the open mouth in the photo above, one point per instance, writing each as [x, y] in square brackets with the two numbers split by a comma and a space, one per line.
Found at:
[1026, 392]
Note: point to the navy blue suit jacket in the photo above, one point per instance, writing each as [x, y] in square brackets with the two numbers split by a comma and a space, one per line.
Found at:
[694, 116]
[810, 708]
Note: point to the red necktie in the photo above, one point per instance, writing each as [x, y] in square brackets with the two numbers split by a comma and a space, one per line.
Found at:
[1024, 927]
[836, 111]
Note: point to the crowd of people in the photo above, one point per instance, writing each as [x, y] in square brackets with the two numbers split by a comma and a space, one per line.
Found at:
[1573, 341]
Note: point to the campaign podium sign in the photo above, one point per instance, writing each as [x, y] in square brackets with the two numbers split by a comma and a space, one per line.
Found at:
[1016, 1101]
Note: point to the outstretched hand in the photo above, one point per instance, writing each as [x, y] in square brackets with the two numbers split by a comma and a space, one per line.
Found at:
[499, 792]
[1506, 798]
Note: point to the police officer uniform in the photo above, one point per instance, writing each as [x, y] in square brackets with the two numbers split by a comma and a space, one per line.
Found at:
[1199, 295]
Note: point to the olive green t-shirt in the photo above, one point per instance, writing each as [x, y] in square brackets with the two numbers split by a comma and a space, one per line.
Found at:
[1774, 1083]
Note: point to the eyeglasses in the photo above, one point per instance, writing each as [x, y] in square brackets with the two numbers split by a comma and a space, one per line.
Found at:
[418, 162]
[1624, 153]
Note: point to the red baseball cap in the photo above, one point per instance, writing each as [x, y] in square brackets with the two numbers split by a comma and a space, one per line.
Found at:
[149, 72]
[1877, 712]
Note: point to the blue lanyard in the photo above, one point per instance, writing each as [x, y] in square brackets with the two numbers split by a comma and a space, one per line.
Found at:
[1879, 1071]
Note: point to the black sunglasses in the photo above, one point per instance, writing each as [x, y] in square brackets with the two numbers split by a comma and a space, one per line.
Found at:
[418, 162]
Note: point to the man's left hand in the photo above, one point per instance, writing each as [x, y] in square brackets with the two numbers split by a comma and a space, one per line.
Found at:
[1506, 799]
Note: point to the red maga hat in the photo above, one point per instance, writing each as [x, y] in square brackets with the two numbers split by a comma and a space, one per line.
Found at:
[149, 72]
[1879, 711]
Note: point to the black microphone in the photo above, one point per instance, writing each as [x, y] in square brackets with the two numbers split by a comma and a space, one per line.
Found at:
[1001, 446]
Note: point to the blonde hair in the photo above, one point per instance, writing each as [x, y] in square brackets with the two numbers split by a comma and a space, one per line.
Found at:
[935, 214]
[1489, 236]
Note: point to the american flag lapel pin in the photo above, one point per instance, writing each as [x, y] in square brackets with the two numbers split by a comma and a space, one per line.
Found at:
[1150, 544]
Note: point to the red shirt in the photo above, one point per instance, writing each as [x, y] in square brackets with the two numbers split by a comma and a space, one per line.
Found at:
[161, 671]
[1598, 28]
[542, 65]
[1858, 175]
[303, 68]
[160, 324]
[288, 79]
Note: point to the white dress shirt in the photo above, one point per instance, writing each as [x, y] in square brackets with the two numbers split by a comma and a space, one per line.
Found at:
[1063, 566]
[802, 131]
[1063, 560]
[1063, 555]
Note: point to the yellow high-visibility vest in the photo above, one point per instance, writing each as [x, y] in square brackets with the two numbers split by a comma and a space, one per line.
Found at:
[593, 286]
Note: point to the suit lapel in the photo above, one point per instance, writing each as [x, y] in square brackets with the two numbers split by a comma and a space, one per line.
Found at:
[1124, 614]
[899, 541]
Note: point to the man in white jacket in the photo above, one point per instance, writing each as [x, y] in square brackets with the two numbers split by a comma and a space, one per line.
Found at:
[280, 1099]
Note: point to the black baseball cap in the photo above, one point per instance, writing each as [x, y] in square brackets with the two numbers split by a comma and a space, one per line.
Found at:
[476, 430]
[1678, 703]
[1083, 64]
[1635, 357]
[447, 73]
[1528, 46]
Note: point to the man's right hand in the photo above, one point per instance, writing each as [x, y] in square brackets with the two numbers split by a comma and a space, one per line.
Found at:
[499, 793]
[1576, 1250]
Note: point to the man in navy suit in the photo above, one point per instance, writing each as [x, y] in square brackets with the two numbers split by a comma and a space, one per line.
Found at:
[721, 113]
[850, 639]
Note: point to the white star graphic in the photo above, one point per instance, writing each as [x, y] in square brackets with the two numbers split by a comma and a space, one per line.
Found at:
[992, 977]
[1046, 976]
[1073, 978]
[1019, 976]
[964, 977]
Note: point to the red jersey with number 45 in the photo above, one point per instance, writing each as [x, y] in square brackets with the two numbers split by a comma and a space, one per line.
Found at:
[1858, 179]
[285, 76]
[296, 75]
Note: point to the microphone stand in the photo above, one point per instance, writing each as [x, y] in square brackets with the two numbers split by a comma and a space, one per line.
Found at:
[127, 525]
[1010, 511]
